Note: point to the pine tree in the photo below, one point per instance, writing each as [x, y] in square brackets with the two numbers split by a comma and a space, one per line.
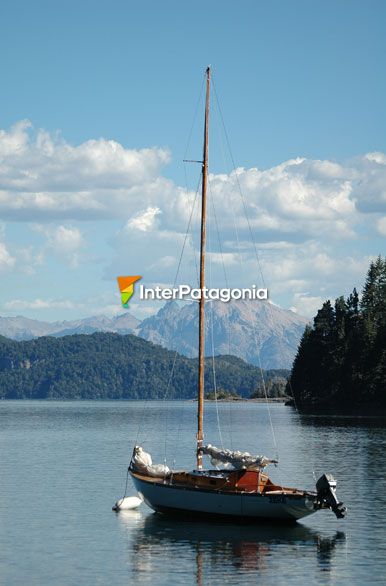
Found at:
[373, 303]
[341, 361]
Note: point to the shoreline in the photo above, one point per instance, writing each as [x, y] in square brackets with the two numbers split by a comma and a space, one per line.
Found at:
[245, 400]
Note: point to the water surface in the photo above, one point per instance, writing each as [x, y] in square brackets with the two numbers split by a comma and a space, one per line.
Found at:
[64, 464]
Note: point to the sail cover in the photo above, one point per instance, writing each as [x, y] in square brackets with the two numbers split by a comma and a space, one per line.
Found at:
[141, 462]
[238, 460]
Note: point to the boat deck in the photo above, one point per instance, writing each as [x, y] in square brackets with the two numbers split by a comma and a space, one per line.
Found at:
[235, 481]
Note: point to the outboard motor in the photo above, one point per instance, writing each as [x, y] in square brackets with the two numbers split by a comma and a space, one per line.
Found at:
[326, 487]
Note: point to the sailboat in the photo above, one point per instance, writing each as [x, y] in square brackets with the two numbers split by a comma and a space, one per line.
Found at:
[235, 487]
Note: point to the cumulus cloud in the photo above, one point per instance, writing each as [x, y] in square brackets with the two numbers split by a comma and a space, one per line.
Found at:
[298, 197]
[6, 260]
[144, 220]
[141, 251]
[22, 259]
[21, 304]
[66, 242]
[306, 304]
[314, 267]
[43, 176]
[369, 189]
[381, 226]
[307, 216]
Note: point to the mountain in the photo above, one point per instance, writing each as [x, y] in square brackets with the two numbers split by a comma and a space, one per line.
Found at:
[22, 328]
[110, 366]
[242, 328]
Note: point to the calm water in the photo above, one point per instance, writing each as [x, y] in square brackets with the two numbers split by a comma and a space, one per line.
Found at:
[64, 464]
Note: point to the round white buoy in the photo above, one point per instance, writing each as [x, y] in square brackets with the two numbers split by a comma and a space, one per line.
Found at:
[127, 503]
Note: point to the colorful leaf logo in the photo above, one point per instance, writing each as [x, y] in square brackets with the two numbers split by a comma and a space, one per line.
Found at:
[126, 287]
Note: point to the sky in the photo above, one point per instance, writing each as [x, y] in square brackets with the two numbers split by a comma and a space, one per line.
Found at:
[101, 101]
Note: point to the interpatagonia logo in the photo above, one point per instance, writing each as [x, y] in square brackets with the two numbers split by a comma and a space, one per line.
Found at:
[126, 287]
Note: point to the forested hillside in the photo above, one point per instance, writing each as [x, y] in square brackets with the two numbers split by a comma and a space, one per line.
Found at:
[111, 366]
[341, 362]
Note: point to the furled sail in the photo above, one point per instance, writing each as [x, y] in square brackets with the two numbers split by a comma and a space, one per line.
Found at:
[238, 460]
[141, 462]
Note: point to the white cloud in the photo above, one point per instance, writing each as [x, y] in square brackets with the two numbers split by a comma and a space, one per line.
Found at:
[21, 304]
[144, 220]
[306, 304]
[44, 177]
[153, 253]
[29, 259]
[6, 260]
[296, 198]
[308, 217]
[22, 259]
[66, 242]
[164, 262]
[379, 158]
[381, 226]
[369, 189]
[226, 258]
[66, 239]
[15, 142]
[315, 266]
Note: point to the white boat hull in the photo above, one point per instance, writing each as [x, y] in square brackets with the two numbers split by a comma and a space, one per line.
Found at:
[166, 498]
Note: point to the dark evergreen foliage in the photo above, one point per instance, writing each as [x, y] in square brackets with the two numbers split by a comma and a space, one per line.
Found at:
[274, 388]
[341, 361]
[111, 366]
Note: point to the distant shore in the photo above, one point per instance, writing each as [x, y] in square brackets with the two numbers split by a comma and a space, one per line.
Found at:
[245, 400]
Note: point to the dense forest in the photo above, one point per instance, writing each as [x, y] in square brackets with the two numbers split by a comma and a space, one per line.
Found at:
[111, 366]
[340, 366]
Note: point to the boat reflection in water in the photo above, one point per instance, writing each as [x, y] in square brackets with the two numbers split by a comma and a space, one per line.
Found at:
[160, 546]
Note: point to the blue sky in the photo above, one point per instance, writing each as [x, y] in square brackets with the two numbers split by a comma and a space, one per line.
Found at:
[95, 186]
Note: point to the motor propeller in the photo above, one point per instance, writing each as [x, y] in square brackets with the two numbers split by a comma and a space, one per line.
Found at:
[326, 490]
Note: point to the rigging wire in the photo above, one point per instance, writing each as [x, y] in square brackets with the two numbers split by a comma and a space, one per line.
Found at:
[174, 284]
[211, 197]
[187, 233]
[181, 419]
[241, 260]
[255, 338]
[258, 262]
[212, 335]
[142, 416]
[194, 249]
[239, 188]
[222, 260]
[195, 116]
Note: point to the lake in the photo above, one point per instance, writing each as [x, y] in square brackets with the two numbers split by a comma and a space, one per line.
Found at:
[63, 465]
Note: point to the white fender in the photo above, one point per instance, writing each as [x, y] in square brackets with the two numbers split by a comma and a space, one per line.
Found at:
[127, 503]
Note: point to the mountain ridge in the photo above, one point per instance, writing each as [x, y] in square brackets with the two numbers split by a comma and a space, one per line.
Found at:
[259, 332]
[106, 365]
[256, 331]
[23, 328]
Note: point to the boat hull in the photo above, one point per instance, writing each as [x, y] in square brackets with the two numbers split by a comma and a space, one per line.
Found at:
[186, 501]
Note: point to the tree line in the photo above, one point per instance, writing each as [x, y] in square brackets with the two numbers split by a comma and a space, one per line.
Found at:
[340, 365]
[111, 366]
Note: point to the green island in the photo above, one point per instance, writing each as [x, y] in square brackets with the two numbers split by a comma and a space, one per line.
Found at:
[112, 366]
[273, 388]
[340, 366]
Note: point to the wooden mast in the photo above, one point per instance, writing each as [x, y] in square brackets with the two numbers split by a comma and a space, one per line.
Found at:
[201, 339]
